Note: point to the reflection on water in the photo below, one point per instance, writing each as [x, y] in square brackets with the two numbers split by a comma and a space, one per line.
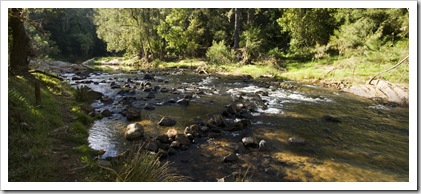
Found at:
[369, 144]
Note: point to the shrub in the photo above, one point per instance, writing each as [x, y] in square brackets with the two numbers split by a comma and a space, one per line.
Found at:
[219, 54]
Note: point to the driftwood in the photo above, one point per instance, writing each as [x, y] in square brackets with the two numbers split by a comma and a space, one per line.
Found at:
[399, 63]
[45, 73]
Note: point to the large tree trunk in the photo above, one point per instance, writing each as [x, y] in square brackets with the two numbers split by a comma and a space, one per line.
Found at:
[21, 42]
[236, 28]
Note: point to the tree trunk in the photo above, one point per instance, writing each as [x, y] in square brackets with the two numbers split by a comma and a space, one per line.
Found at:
[21, 42]
[236, 29]
[37, 93]
[250, 16]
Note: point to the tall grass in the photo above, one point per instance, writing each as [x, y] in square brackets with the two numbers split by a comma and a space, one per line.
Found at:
[141, 166]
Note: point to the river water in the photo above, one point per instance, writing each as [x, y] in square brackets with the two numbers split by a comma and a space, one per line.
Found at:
[370, 143]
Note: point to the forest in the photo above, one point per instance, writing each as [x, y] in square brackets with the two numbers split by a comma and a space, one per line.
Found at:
[75, 70]
[220, 36]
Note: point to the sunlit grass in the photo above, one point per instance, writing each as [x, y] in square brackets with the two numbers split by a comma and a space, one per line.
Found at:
[354, 69]
[30, 143]
[141, 166]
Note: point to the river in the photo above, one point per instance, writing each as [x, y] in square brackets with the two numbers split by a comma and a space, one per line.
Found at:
[365, 142]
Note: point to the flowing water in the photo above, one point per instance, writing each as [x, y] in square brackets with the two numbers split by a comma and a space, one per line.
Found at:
[370, 143]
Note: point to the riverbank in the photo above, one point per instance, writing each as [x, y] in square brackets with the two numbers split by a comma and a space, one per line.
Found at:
[345, 74]
[48, 135]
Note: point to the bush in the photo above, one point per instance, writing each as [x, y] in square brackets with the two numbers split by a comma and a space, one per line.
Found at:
[219, 54]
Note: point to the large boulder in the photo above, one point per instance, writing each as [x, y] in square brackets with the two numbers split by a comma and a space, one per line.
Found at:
[134, 131]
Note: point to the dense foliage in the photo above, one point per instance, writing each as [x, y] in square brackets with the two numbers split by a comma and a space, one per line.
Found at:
[253, 34]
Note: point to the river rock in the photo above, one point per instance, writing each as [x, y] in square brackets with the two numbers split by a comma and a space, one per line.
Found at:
[163, 138]
[192, 129]
[383, 89]
[164, 90]
[183, 102]
[152, 146]
[171, 133]
[218, 120]
[172, 151]
[106, 100]
[183, 139]
[162, 153]
[184, 147]
[240, 148]
[245, 114]
[167, 121]
[235, 107]
[262, 93]
[249, 142]
[329, 118]
[175, 145]
[156, 88]
[149, 106]
[148, 77]
[150, 95]
[134, 131]
[106, 113]
[231, 158]
[132, 113]
[296, 141]
[163, 146]
[264, 146]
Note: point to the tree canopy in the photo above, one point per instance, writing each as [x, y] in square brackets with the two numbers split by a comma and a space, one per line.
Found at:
[161, 33]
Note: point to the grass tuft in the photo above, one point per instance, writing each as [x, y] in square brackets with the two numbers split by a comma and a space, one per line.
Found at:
[141, 166]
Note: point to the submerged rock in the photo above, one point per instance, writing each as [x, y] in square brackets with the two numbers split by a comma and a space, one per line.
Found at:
[231, 158]
[106, 113]
[183, 102]
[131, 113]
[329, 118]
[148, 77]
[167, 121]
[296, 141]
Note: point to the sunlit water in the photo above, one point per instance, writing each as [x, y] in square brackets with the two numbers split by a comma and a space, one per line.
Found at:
[369, 144]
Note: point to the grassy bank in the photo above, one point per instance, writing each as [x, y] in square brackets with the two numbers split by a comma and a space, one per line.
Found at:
[45, 140]
[356, 69]
[352, 70]
[49, 142]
